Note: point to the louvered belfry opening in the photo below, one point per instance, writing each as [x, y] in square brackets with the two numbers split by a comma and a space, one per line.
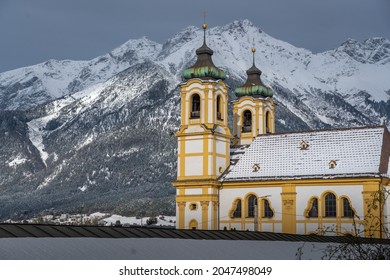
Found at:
[247, 121]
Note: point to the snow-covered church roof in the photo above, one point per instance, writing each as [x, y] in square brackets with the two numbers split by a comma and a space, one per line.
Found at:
[335, 153]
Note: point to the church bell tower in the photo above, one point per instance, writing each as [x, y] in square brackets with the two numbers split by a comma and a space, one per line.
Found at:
[254, 111]
[203, 142]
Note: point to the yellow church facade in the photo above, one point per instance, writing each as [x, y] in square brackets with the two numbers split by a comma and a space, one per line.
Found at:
[312, 182]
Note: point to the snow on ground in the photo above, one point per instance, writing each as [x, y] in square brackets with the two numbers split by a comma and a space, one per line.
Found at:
[97, 215]
[51, 177]
[36, 138]
[83, 188]
[18, 160]
[141, 221]
[126, 153]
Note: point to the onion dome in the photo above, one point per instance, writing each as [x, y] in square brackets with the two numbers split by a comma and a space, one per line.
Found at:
[204, 66]
[253, 85]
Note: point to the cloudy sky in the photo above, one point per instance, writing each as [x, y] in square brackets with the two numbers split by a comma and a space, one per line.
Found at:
[32, 31]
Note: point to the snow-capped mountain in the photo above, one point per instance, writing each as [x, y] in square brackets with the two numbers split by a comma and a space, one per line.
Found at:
[99, 133]
[30, 86]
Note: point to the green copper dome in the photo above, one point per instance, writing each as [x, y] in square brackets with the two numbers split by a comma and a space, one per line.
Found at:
[204, 66]
[204, 72]
[253, 85]
[254, 90]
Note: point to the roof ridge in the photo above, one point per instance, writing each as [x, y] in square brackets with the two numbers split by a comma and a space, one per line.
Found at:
[324, 130]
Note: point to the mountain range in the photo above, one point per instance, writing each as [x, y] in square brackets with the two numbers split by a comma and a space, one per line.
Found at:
[98, 135]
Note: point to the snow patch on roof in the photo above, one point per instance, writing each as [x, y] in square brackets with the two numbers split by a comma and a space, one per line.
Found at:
[355, 152]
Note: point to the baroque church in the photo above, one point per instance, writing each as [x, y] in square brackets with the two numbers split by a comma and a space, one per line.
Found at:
[256, 179]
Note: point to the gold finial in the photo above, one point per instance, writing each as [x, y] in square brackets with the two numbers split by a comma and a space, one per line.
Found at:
[204, 25]
[253, 50]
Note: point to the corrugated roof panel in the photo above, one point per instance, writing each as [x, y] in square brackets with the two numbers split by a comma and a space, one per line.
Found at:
[222, 235]
[205, 234]
[5, 233]
[183, 234]
[36, 231]
[112, 232]
[160, 233]
[235, 235]
[19, 231]
[22, 230]
[67, 231]
[127, 232]
[99, 231]
[53, 230]
[84, 232]
[171, 234]
[142, 233]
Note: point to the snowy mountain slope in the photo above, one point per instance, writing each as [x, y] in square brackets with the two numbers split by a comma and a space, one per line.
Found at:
[33, 85]
[100, 132]
[355, 72]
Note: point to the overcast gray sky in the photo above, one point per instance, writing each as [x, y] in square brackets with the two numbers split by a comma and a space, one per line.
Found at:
[32, 31]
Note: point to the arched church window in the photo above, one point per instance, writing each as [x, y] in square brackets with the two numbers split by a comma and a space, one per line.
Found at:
[195, 110]
[237, 211]
[347, 209]
[267, 211]
[313, 212]
[247, 121]
[267, 122]
[330, 205]
[219, 112]
[252, 202]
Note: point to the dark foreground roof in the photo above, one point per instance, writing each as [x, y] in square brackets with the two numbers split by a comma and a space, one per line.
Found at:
[71, 231]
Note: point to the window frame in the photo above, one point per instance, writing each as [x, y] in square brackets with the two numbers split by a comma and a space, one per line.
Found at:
[268, 128]
[247, 128]
[219, 107]
[195, 114]
[330, 206]
[251, 202]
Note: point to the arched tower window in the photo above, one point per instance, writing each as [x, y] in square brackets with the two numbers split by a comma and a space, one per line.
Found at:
[330, 205]
[267, 122]
[237, 211]
[219, 112]
[247, 121]
[313, 213]
[195, 110]
[347, 209]
[252, 201]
